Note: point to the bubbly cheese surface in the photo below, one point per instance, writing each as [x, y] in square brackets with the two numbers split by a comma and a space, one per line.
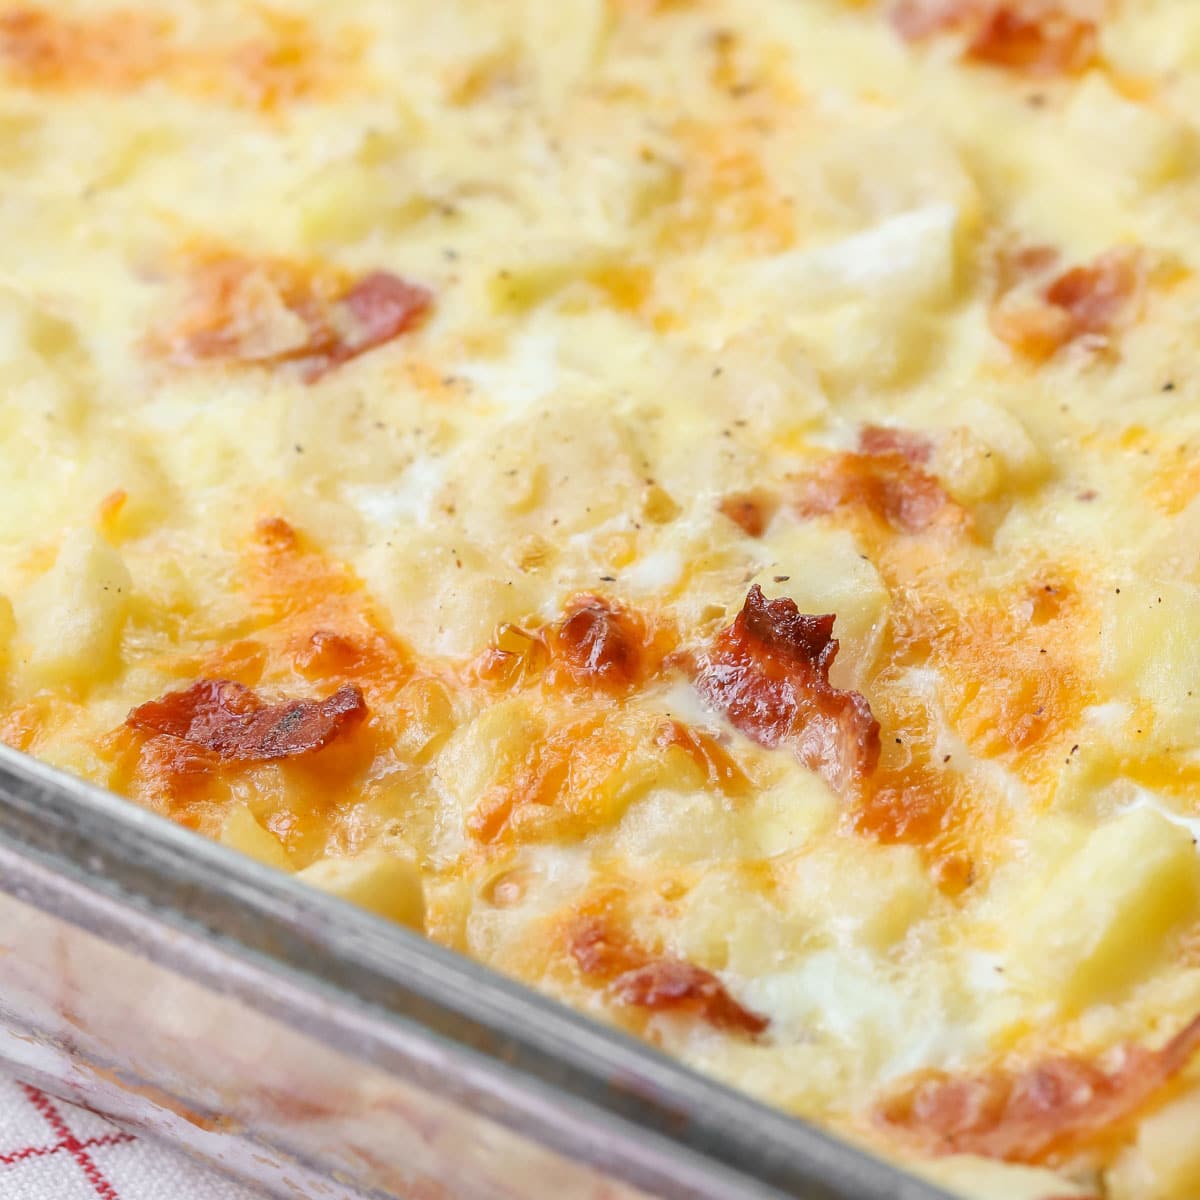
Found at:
[432, 436]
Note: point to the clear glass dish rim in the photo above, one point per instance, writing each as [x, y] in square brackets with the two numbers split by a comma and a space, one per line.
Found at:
[385, 995]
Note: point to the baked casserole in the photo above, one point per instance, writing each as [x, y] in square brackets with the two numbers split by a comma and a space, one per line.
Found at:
[695, 504]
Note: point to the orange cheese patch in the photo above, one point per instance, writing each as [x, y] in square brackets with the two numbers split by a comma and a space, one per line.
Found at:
[886, 487]
[120, 50]
[306, 701]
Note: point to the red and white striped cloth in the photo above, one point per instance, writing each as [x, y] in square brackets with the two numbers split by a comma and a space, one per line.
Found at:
[53, 1151]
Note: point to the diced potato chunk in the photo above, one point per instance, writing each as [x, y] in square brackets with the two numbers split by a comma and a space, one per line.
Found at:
[767, 380]
[985, 1179]
[429, 719]
[567, 38]
[445, 597]
[867, 895]
[909, 258]
[678, 826]
[241, 831]
[1165, 1160]
[1134, 141]
[385, 882]
[346, 201]
[1153, 39]
[1153, 652]
[988, 453]
[485, 748]
[751, 937]
[862, 175]
[546, 270]
[870, 303]
[609, 787]
[1101, 920]
[870, 343]
[72, 617]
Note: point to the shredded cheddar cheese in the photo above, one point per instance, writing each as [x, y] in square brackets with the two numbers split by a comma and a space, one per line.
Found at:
[691, 503]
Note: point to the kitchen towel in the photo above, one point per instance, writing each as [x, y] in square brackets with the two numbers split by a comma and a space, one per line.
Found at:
[53, 1151]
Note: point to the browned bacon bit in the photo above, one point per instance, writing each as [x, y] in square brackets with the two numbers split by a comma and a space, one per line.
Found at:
[671, 985]
[1041, 40]
[235, 724]
[1060, 1106]
[769, 673]
[1094, 296]
[914, 20]
[885, 484]
[381, 306]
[751, 510]
[268, 314]
[598, 643]
[1086, 301]
[657, 983]
[879, 440]
[1038, 37]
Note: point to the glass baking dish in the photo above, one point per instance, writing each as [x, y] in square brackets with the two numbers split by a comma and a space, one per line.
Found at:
[319, 1051]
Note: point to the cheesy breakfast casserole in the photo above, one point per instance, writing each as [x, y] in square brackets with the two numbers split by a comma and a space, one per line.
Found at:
[692, 503]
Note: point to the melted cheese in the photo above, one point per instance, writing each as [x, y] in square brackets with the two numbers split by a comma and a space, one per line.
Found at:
[685, 260]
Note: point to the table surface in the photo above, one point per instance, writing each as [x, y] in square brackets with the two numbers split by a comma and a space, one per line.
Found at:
[53, 1151]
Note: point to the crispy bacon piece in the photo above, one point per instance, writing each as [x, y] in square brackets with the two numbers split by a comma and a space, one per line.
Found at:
[657, 983]
[382, 306]
[671, 985]
[769, 673]
[1060, 1106]
[878, 440]
[751, 510]
[1037, 316]
[236, 725]
[600, 644]
[888, 485]
[271, 314]
[1041, 39]
[915, 20]
[1037, 37]
[1095, 295]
